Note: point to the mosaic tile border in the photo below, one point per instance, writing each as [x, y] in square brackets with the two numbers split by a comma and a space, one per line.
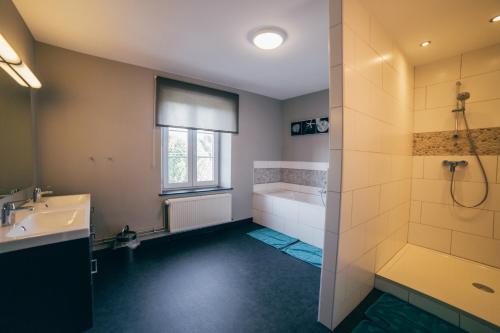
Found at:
[487, 141]
[314, 178]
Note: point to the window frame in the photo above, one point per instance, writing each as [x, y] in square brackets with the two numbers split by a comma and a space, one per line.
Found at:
[192, 182]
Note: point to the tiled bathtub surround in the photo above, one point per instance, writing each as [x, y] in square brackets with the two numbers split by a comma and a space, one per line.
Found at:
[435, 222]
[486, 140]
[266, 175]
[299, 173]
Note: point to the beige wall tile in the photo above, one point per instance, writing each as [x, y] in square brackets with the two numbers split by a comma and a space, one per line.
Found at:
[496, 227]
[368, 62]
[434, 120]
[418, 167]
[335, 12]
[398, 217]
[439, 71]
[476, 248]
[332, 212]
[415, 211]
[481, 61]
[335, 170]
[430, 237]
[355, 175]
[436, 191]
[472, 221]
[390, 80]
[336, 45]
[357, 18]
[365, 204]
[380, 40]
[377, 230]
[357, 91]
[351, 246]
[390, 246]
[470, 193]
[346, 211]
[326, 293]
[434, 169]
[441, 95]
[336, 86]
[330, 251]
[482, 87]
[419, 98]
[483, 114]
[337, 130]
[349, 40]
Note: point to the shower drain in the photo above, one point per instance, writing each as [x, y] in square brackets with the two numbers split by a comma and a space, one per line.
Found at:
[483, 287]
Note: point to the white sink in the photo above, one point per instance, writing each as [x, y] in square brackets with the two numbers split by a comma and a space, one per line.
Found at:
[53, 220]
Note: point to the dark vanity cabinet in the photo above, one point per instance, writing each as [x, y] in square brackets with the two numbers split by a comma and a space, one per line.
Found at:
[47, 288]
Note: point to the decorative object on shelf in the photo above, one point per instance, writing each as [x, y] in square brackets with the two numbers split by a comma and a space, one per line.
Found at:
[311, 126]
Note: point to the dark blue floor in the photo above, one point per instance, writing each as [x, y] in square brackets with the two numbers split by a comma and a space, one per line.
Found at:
[224, 281]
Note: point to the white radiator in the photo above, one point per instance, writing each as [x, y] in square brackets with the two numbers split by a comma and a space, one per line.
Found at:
[198, 212]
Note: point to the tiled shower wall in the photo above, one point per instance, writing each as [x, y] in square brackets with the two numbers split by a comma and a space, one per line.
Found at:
[435, 222]
[371, 93]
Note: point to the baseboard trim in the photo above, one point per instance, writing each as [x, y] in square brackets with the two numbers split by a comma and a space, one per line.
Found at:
[167, 236]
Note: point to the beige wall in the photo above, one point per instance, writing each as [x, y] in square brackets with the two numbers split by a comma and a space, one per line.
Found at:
[92, 107]
[435, 222]
[371, 94]
[311, 148]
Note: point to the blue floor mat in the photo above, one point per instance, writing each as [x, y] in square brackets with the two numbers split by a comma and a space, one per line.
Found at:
[273, 238]
[366, 326]
[305, 252]
[394, 315]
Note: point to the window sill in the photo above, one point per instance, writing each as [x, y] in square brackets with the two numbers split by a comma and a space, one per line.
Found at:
[194, 191]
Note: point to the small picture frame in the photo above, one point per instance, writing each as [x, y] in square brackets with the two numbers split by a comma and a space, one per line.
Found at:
[296, 128]
[322, 125]
[309, 126]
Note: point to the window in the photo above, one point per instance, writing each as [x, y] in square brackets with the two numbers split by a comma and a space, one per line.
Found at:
[190, 158]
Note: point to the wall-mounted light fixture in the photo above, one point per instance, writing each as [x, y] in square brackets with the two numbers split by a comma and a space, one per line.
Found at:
[495, 19]
[425, 43]
[15, 67]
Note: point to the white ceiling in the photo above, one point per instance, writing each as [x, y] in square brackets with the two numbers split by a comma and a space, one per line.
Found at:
[202, 39]
[453, 26]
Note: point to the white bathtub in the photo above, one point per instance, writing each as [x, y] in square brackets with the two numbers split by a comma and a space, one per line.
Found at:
[442, 284]
[297, 214]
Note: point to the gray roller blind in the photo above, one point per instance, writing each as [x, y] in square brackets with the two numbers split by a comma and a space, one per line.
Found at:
[187, 105]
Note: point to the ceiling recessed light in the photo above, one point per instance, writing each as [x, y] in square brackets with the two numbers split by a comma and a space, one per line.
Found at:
[269, 38]
[426, 43]
[495, 19]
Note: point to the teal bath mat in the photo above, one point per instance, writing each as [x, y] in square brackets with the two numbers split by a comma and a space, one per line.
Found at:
[305, 252]
[273, 238]
[394, 315]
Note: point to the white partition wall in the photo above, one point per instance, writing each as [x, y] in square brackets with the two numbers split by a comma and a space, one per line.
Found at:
[369, 179]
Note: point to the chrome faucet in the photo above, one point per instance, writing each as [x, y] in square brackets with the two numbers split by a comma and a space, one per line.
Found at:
[38, 194]
[9, 211]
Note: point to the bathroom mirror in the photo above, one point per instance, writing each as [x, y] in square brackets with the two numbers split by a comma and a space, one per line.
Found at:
[16, 136]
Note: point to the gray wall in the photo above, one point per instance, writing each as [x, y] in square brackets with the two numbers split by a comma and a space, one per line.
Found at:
[311, 148]
[93, 107]
[15, 31]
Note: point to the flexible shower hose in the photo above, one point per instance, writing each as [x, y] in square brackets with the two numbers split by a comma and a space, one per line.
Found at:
[474, 151]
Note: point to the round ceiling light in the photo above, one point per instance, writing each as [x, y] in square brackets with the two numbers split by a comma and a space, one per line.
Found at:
[495, 19]
[426, 43]
[269, 38]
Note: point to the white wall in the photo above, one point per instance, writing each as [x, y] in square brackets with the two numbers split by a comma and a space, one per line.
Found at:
[310, 148]
[371, 93]
[96, 107]
[435, 222]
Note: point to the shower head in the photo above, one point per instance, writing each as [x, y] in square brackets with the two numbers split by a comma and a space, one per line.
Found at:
[463, 96]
